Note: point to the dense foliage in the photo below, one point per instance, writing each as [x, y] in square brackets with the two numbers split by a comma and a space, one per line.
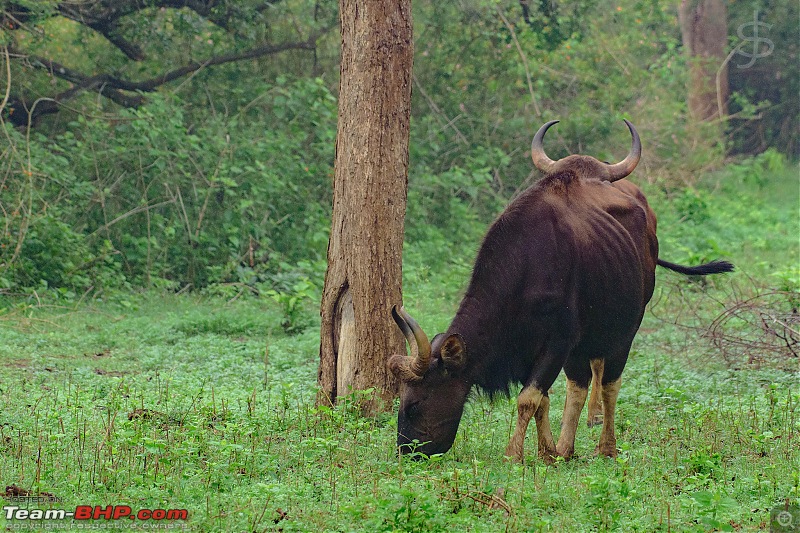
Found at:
[217, 185]
[221, 180]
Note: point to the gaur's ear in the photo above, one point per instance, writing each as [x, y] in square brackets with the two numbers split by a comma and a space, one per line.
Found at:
[454, 353]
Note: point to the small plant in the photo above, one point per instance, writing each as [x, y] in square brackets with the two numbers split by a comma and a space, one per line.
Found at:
[789, 282]
[293, 304]
[399, 508]
[609, 495]
[704, 462]
[713, 508]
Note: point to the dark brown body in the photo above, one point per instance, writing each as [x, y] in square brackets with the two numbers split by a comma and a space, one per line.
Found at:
[561, 280]
[578, 262]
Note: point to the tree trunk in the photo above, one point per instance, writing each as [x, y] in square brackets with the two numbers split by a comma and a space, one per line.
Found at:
[364, 274]
[704, 29]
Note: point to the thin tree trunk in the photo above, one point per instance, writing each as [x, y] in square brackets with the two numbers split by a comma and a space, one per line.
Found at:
[364, 274]
[704, 29]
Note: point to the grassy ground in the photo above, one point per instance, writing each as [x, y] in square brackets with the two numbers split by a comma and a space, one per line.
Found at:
[168, 402]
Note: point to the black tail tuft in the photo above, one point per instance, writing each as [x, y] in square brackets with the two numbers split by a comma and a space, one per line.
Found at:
[714, 267]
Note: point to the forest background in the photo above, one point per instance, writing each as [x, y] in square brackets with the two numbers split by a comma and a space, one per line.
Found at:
[115, 178]
[165, 203]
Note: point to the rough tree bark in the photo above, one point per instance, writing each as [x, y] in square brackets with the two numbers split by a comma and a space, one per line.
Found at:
[704, 28]
[364, 274]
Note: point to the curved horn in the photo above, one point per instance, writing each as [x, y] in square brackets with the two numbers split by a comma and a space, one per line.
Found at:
[626, 166]
[540, 159]
[420, 346]
[407, 333]
[422, 357]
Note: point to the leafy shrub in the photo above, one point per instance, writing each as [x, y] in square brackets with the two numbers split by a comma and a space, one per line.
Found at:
[758, 170]
[164, 195]
[53, 255]
[39, 248]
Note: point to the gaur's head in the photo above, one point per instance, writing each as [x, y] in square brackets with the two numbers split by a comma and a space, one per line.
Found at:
[433, 391]
[585, 166]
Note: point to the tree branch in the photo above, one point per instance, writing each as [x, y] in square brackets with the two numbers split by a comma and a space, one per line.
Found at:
[104, 16]
[112, 87]
[253, 53]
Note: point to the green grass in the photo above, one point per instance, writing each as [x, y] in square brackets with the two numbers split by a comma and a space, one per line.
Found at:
[165, 406]
[169, 402]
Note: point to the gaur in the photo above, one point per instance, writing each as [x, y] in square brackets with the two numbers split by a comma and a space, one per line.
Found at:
[561, 280]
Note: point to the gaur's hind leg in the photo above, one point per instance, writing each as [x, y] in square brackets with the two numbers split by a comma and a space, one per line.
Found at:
[573, 405]
[608, 440]
[595, 416]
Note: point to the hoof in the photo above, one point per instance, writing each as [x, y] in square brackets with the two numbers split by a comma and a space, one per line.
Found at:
[606, 451]
[595, 420]
[514, 457]
[566, 455]
[548, 457]
[515, 452]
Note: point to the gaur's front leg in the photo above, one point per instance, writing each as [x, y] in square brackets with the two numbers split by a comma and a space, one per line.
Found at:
[531, 401]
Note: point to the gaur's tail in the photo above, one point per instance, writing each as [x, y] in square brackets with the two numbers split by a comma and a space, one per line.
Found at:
[714, 267]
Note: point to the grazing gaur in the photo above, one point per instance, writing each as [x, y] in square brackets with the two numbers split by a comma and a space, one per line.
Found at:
[561, 280]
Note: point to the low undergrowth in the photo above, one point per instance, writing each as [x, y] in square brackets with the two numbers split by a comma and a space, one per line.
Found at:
[173, 403]
[206, 403]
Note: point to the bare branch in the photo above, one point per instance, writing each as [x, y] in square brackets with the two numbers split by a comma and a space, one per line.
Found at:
[104, 16]
[112, 87]
[253, 53]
